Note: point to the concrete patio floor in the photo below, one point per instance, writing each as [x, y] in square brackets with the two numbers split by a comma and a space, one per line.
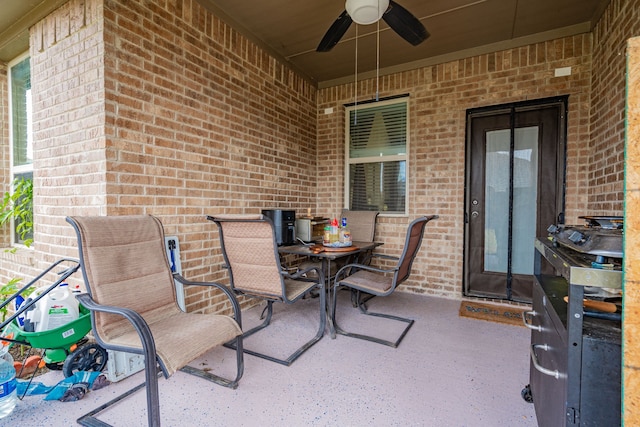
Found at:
[448, 371]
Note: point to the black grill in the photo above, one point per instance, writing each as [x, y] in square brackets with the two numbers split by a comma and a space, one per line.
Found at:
[575, 374]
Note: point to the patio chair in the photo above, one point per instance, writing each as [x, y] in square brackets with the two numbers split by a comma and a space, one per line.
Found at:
[251, 255]
[369, 281]
[362, 225]
[132, 299]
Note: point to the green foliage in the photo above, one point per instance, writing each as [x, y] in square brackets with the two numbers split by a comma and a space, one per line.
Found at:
[19, 206]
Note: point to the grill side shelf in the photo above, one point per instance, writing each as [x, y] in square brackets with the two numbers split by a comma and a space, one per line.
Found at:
[577, 270]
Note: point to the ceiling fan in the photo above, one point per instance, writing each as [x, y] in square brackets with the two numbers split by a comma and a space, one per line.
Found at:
[366, 12]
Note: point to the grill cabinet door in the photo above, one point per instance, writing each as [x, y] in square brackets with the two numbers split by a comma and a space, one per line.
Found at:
[548, 392]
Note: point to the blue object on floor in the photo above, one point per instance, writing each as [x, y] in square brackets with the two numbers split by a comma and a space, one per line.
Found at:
[57, 391]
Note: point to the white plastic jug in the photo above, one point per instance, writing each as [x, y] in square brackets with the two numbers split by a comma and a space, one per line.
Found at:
[55, 309]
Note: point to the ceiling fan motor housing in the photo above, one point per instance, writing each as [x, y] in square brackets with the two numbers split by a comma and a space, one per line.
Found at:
[366, 12]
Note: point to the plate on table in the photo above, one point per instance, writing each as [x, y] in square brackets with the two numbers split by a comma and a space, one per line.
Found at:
[322, 248]
[337, 245]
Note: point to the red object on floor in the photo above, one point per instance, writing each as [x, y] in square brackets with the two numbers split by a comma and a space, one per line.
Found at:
[26, 369]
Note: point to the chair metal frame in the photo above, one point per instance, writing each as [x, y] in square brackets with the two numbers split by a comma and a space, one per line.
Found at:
[154, 365]
[358, 234]
[399, 273]
[309, 282]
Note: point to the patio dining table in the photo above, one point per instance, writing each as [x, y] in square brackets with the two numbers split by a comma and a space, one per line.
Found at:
[327, 254]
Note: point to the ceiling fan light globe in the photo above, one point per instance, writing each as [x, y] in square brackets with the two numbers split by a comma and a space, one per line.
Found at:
[365, 12]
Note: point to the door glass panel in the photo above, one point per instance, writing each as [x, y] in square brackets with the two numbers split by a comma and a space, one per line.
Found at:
[496, 201]
[525, 196]
[525, 178]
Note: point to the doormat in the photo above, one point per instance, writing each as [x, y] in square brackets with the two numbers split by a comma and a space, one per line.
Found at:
[492, 312]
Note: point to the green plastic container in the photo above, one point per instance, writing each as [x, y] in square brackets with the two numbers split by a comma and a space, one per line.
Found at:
[56, 342]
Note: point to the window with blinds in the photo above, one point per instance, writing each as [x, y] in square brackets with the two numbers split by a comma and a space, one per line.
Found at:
[376, 154]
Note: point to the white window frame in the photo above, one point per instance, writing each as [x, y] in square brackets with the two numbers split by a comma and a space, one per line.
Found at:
[25, 168]
[381, 158]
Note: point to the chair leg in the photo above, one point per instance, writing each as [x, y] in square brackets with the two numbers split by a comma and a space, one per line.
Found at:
[151, 382]
[153, 404]
[264, 324]
[89, 419]
[355, 297]
[232, 384]
[335, 328]
[289, 360]
[153, 397]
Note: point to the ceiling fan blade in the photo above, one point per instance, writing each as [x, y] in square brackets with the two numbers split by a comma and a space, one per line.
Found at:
[405, 24]
[335, 32]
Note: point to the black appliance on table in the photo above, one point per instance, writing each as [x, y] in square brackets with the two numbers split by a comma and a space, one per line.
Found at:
[284, 222]
[576, 357]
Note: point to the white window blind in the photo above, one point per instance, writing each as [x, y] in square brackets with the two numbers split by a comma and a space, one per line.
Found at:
[376, 153]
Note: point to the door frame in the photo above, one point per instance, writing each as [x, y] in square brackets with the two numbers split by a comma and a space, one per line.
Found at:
[561, 159]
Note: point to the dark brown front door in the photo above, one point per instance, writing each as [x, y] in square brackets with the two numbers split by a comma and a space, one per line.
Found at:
[514, 191]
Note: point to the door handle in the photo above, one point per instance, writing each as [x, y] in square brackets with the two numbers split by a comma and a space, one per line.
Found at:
[474, 214]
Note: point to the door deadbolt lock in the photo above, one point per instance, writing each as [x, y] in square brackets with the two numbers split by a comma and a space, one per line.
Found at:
[474, 202]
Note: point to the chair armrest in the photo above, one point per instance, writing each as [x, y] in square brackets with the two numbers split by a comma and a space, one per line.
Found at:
[136, 320]
[343, 271]
[376, 255]
[228, 293]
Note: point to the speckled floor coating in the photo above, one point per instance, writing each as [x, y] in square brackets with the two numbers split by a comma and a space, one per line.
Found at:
[448, 371]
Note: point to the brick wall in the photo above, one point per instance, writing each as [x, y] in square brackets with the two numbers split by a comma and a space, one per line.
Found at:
[200, 121]
[68, 121]
[606, 143]
[144, 108]
[439, 98]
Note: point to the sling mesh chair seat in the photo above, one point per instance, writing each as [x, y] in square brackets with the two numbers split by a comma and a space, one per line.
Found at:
[251, 256]
[132, 299]
[369, 281]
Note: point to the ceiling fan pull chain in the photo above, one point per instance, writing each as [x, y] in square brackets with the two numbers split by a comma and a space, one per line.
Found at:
[355, 84]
